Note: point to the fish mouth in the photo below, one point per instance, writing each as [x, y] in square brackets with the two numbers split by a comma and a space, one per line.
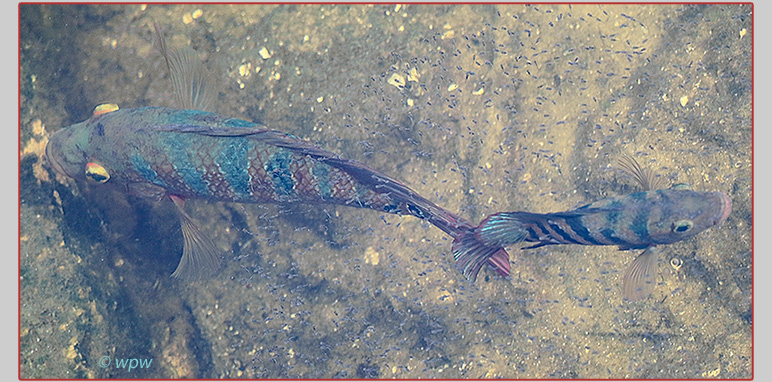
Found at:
[726, 207]
[51, 155]
[58, 168]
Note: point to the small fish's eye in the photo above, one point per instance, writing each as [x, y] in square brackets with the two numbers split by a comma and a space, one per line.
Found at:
[682, 226]
[97, 173]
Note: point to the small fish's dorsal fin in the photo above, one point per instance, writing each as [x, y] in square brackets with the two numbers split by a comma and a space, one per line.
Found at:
[192, 81]
[643, 175]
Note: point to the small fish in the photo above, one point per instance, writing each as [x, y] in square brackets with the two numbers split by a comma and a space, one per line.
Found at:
[640, 220]
[180, 154]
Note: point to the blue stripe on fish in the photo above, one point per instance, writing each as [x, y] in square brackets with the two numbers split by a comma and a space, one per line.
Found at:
[532, 234]
[175, 146]
[541, 228]
[278, 168]
[144, 169]
[321, 174]
[640, 224]
[233, 163]
[615, 211]
[184, 117]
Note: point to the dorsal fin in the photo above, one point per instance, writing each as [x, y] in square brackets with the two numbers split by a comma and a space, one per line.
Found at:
[643, 175]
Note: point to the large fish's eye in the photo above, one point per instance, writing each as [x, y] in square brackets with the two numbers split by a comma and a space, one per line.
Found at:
[97, 173]
[682, 226]
[105, 108]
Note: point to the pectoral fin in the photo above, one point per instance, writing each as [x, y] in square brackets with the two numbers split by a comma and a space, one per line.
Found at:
[639, 279]
[146, 190]
[200, 257]
[193, 84]
[643, 175]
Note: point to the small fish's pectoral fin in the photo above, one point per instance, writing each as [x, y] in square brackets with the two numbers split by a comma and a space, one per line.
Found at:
[200, 257]
[639, 279]
[643, 175]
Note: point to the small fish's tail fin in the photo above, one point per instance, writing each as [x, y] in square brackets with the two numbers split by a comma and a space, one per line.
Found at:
[471, 254]
[469, 251]
[504, 228]
[485, 243]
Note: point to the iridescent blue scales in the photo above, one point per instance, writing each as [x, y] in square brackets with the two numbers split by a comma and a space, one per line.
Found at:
[157, 152]
[191, 153]
[636, 221]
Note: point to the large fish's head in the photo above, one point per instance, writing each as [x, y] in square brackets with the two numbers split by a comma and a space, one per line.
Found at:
[72, 150]
[681, 213]
[67, 149]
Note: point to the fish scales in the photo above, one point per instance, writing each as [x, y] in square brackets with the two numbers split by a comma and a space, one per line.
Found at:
[228, 168]
[188, 153]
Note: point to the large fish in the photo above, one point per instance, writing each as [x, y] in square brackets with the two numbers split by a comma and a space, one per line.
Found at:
[640, 220]
[158, 153]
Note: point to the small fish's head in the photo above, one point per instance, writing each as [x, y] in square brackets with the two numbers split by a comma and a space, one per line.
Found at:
[679, 214]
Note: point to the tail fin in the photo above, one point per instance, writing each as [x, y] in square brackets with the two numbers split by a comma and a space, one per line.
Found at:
[469, 251]
[503, 229]
[485, 243]
[471, 254]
